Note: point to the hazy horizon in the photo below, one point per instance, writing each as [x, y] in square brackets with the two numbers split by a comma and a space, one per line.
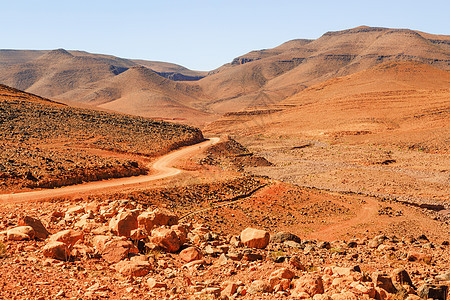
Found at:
[200, 35]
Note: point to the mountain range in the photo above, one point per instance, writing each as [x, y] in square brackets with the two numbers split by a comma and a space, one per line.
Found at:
[259, 78]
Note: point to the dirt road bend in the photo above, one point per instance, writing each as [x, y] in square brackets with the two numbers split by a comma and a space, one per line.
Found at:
[162, 167]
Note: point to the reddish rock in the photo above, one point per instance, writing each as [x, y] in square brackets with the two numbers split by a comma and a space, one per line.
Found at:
[420, 257]
[56, 250]
[166, 239]
[190, 254]
[20, 233]
[259, 287]
[229, 290]
[133, 268]
[296, 263]
[117, 249]
[153, 284]
[384, 281]
[80, 249]
[123, 223]
[309, 283]
[402, 277]
[75, 210]
[99, 242]
[138, 234]
[283, 273]
[255, 238]
[158, 217]
[39, 228]
[181, 231]
[69, 236]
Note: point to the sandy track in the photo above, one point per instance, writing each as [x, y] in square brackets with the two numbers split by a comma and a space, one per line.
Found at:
[162, 166]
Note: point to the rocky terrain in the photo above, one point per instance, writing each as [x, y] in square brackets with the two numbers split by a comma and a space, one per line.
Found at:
[119, 249]
[46, 144]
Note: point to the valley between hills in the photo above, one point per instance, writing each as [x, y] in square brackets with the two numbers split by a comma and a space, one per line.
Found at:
[318, 169]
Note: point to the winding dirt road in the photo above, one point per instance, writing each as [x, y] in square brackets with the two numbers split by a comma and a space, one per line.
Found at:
[162, 166]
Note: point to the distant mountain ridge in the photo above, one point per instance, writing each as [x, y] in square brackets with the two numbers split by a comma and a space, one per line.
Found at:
[258, 78]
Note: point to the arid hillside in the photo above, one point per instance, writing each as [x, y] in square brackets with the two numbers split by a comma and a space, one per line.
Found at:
[46, 144]
[142, 92]
[403, 103]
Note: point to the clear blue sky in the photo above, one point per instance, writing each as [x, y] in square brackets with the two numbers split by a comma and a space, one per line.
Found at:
[199, 34]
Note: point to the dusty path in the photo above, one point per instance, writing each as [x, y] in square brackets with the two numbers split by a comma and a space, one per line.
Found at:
[162, 166]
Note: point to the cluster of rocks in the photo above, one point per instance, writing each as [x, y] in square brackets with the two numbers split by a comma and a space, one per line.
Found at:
[163, 257]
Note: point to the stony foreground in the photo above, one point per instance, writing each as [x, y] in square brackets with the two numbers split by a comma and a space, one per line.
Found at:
[119, 250]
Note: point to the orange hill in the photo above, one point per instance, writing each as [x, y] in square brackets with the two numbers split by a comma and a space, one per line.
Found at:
[401, 102]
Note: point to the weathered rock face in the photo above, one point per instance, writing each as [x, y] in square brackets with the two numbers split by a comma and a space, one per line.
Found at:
[166, 239]
[157, 217]
[133, 268]
[124, 223]
[20, 233]
[56, 250]
[190, 254]
[39, 228]
[255, 238]
[69, 236]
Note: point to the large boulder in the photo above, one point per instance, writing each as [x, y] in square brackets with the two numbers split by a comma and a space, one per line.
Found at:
[158, 217]
[56, 250]
[123, 223]
[255, 238]
[166, 238]
[69, 236]
[39, 228]
[20, 233]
